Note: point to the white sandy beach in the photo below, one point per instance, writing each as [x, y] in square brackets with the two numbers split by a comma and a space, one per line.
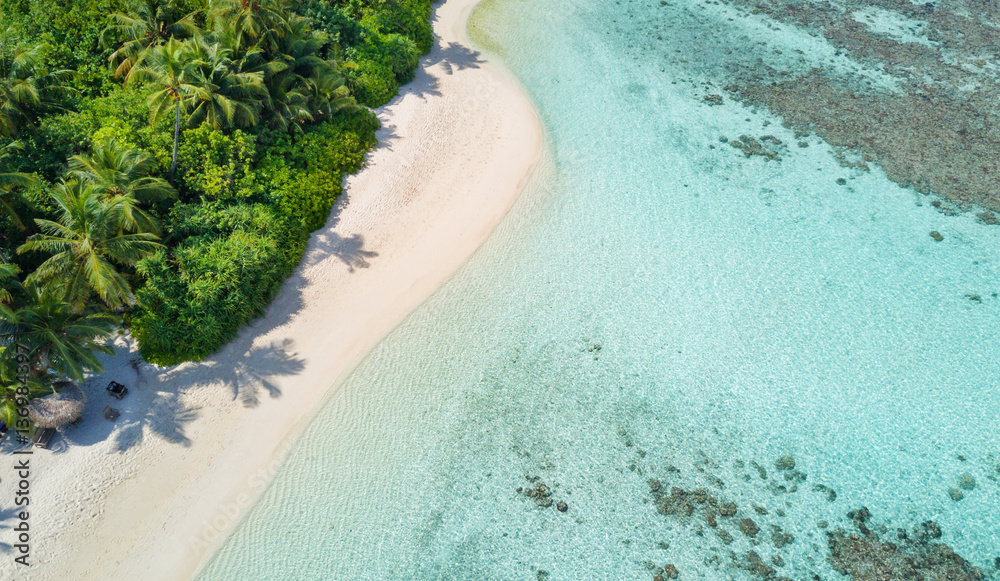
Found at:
[153, 495]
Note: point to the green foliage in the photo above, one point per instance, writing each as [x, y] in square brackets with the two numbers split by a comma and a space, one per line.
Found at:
[118, 170]
[121, 114]
[57, 336]
[10, 182]
[15, 393]
[376, 67]
[305, 174]
[410, 18]
[402, 55]
[93, 236]
[372, 82]
[71, 30]
[234, 130]
[27, 89]
[218, 279]
[147, 23]
[333, 19]
[217, 165]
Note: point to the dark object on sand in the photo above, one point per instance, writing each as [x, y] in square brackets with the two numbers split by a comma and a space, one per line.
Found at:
[43, 437]
[117, 390]
[111, 413]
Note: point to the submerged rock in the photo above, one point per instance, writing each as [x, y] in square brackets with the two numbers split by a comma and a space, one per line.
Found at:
[866, 558]
[786, 462]
[724, 536]
[670, 571]
[936, 236]
[677, 504]
[966, 481]
[749, 527]
[780, 538]
[540, 493]
[831, 494]
[795, 476]
[956, 494]
[756, 566]
[681, 502]
[750, 146]
[927, 530]
[988, 218]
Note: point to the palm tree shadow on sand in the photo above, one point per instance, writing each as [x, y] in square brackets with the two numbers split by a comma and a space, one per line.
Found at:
[8, 520]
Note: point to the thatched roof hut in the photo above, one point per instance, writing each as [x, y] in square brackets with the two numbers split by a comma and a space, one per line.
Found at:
[62, 407]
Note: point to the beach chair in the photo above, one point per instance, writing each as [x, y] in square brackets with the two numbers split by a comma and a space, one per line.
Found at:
[76, 422]
[43, 437]
[111, 413]
[117, 390]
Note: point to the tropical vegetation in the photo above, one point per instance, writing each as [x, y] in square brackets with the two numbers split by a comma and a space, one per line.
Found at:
[162, 163]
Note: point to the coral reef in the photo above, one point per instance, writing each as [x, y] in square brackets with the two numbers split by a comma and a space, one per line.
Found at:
[937, 132]
[865, 557]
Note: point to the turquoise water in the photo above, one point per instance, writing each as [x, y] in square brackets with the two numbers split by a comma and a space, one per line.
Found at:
[658, 300]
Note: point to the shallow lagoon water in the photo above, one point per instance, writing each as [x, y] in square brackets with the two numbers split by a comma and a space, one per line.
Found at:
[657, 299]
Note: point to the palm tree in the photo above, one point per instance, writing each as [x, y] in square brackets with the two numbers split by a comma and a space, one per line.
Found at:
[25, 85]
[7, 272]
[114, 170]
[150, 23]
[304, 86]
[172, 70]
[13, 388]
[91, 238]
[11, 180]
[224, 97]
[117, 170]
[58, 337]
[289, 104]
[254, 22]
[328, 95]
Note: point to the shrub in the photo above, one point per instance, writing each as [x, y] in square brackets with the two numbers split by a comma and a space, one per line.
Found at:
[402, 56]
[411, 18]
[377, 67]
[216, 165]
[305, 174]
[71, 29]
[197, 296]
[121, 114]
[371, 81]
[335, 20]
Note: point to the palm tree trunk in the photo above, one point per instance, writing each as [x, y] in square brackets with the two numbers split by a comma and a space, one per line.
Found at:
[177, 136]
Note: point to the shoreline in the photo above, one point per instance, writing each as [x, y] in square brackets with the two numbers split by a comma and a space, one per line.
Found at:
[154, 495]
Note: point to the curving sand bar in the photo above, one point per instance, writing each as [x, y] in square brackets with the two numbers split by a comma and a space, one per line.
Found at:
[152, 495]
